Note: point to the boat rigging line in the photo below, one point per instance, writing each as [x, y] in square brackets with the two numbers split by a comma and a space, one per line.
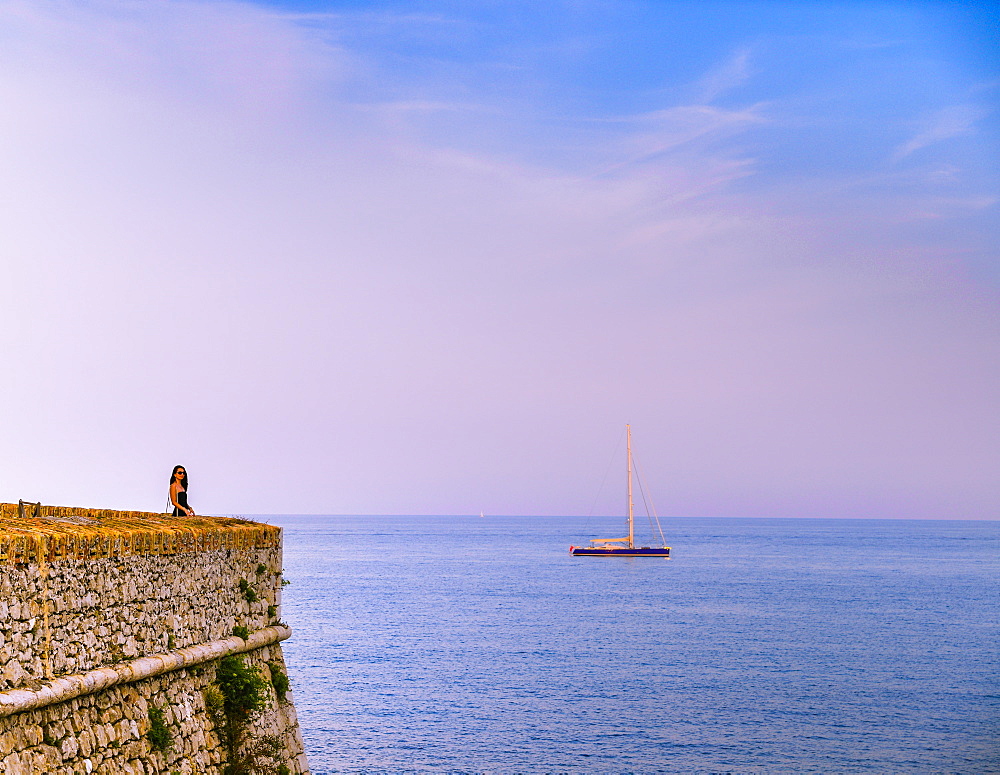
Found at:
[650, 508]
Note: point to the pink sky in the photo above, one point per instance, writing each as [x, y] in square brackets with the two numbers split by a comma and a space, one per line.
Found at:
[442, 299]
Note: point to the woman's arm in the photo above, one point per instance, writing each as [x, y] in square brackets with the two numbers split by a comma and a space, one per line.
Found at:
[174, 487]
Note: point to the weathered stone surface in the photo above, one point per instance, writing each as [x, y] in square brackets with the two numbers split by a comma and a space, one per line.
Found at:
[72, 628]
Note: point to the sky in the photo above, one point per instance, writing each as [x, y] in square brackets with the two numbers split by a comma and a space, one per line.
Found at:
[431, 257]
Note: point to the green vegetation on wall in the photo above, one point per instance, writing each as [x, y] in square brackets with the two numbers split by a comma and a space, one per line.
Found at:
[279, 680]
[158, 734]
[238, 696]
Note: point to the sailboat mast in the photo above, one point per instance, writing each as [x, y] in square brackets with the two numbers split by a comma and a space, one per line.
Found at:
[628, 436]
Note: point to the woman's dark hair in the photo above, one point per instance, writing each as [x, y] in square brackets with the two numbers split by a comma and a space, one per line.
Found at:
[183, 479]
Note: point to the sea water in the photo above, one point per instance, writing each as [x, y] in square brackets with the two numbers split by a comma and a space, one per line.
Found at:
[468, 644]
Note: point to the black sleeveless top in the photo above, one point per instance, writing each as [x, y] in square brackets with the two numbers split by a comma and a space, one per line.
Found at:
[182, 498]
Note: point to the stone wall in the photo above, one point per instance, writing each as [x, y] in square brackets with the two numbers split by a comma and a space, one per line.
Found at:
[105, 732]
[87, 597]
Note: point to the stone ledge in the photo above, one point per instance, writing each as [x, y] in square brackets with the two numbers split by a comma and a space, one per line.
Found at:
[46, 534]
[68, 687]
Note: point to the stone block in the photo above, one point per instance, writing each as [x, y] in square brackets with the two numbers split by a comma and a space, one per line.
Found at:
[69, 747]
[8, 743]
[86, 741]
[33, 733]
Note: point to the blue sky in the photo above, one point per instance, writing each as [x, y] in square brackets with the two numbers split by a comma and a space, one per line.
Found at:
[837, 78]
[431, 257]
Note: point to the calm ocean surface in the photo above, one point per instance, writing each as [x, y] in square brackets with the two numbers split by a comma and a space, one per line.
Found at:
[461, 644]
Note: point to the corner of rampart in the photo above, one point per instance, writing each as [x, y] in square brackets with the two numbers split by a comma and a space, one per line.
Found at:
[105, 615]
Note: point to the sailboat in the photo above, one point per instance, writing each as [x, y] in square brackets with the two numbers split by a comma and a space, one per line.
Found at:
[624, 547]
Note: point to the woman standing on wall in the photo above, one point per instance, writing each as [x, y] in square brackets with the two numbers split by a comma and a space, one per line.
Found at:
[178, 492]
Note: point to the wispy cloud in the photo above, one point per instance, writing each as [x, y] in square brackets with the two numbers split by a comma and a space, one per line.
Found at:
[665, 130]
[953, 121]
[732, 73]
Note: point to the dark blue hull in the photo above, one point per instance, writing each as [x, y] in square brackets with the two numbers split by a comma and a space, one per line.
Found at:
[642, 551]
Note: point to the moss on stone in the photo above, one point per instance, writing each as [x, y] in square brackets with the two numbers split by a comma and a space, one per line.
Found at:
[158, 734]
